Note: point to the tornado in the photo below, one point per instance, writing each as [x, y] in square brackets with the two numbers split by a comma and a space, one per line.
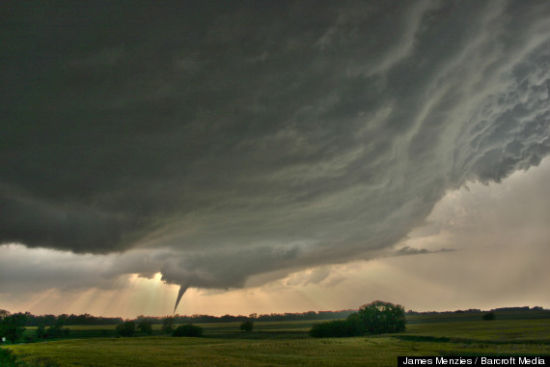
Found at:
[182, 290]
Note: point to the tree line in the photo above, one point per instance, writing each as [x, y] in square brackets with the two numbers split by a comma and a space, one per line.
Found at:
[301, 316]
[87, 319]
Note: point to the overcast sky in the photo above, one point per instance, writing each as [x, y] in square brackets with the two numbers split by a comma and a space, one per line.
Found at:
[273, 156]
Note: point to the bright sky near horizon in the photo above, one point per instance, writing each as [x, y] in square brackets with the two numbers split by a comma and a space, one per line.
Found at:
[274, 157]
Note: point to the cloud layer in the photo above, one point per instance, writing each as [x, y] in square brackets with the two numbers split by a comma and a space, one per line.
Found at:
[227, 140]
[499, 233]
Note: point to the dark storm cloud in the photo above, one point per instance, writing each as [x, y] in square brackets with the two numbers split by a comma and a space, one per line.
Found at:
[241, 138]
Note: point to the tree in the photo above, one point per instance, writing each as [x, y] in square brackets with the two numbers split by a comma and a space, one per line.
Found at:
[145, 327]
[41, 331]
[167, 325]
[12, 326]
[247, 325]
[127, 328]
[489, 316]
[382, 317]
[56, 330]
[187, 330]
[374, 318]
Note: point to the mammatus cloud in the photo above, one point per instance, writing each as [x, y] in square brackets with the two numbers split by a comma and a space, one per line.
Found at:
[224, 140]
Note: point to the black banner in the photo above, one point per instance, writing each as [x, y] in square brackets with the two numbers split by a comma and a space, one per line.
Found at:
[501, 361]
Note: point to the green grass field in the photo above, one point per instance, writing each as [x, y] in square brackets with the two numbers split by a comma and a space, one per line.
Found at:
[288, 344]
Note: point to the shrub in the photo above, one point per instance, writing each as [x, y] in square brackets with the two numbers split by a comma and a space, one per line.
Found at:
[356, 326]
[489, 316]
[336, 328]
[127, 328]
[145, 327]
[247, 325]
[7, 358]
[187, 330]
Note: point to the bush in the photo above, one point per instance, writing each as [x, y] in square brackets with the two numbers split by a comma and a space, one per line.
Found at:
[145, 327]
[375, 318]
[247, 325]
[382, 317]
[356, 326]
[187, 330]
[336, 329]
[7, 358]
[127, 328]
[489, 316]
[12, 326]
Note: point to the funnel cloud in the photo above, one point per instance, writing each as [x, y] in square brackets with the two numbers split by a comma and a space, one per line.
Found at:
[181, 292]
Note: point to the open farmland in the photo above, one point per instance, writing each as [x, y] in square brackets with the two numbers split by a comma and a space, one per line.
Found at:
[288, 344]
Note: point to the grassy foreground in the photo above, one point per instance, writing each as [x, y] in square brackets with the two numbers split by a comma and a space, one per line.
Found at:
[287, 344]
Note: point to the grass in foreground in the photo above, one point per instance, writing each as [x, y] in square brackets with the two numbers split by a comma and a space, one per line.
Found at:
[287, 344]
[167, 351]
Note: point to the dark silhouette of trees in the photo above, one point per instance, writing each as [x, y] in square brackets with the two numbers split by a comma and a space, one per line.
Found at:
[489, 316]
[167, 325]
[87, 319]
[374, 318]
[188, 330]
[145, 327]
[127, 328]
[84, 319]
[382, 317]
[336, 328]
[41, 331]
[247, 325]
[56, 330]
[12, 326]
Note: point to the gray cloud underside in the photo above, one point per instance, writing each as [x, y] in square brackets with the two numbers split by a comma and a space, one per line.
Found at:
[245, 138]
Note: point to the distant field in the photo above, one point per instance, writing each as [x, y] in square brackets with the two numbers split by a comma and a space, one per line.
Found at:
[287, 344]
[490, 331]
[467, 316]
